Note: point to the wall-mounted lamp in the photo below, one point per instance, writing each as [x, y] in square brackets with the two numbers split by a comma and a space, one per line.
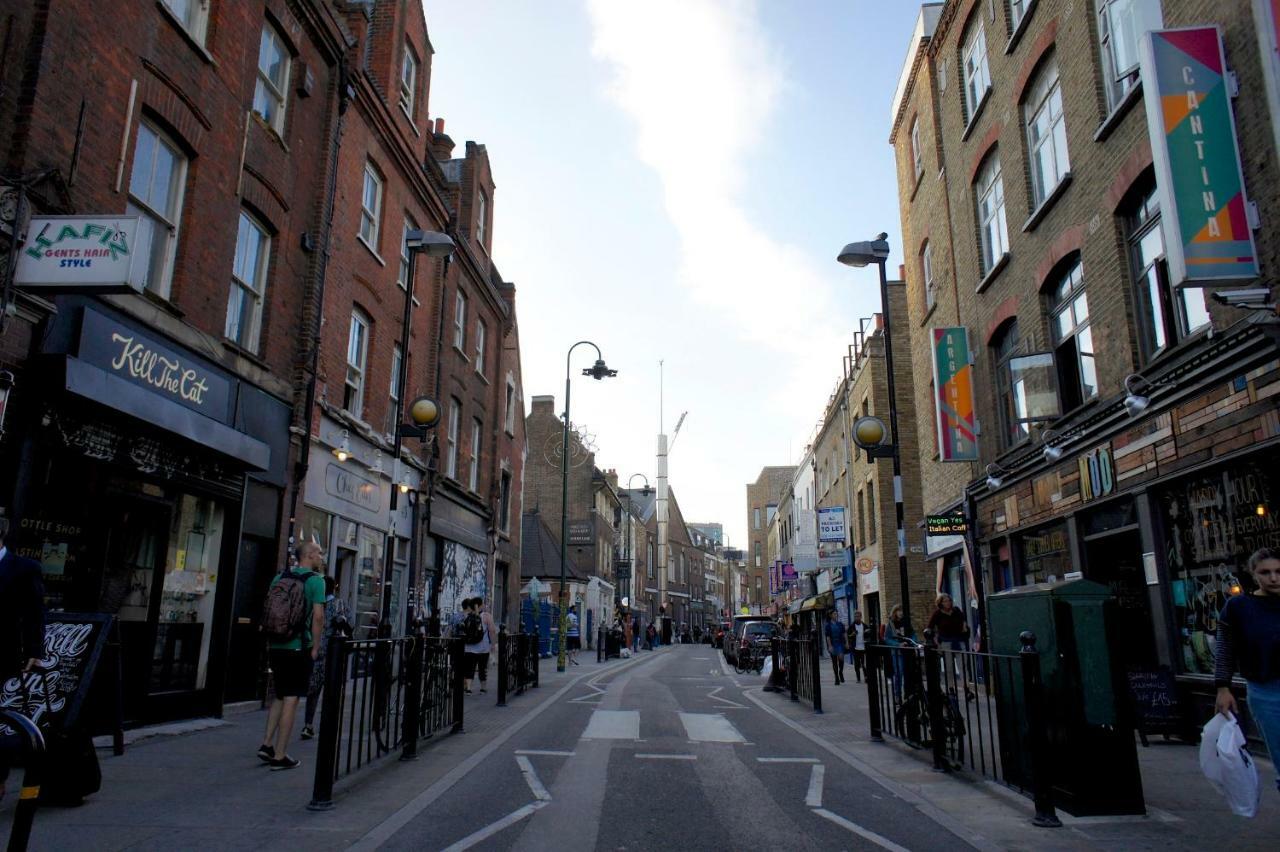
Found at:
[376, 467]
[343, 450]
[1136, 402]
[995, 476]
[1051, 453]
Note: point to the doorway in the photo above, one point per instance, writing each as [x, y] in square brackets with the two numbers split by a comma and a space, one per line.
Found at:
[1115, 559]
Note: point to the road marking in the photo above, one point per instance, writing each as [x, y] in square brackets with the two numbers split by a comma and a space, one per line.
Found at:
[813, 798]
[531, 778]
[710, 728]
[593, 697]
[864, 833]
[666, 757]
[729, 704]
[493, 828]
[703, 659]
[784, 759]
[540, 753]
[613, 725]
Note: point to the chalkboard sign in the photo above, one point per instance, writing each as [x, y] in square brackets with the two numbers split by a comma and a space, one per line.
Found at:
[1155, 702]
[54, 694]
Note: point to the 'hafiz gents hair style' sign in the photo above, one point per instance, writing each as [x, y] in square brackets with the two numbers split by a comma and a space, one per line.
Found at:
[1197, 159]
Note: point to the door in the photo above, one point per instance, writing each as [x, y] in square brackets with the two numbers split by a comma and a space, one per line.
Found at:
[1115, 560]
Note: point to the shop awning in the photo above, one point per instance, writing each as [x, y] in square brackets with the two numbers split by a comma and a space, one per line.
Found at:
[826, 600]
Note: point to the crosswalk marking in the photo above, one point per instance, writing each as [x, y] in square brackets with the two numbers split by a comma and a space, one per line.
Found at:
[666, 757]
[787, 760]
[613, 725]
[710, 728]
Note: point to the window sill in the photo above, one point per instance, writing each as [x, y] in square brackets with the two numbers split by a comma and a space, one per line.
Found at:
[461, 354]
[977, 114]
[270, 130]
[186, 34]
[483, 377]
[1172, 351]
[1021, 28]
[509, 433]
[248, 354]
[928, 312]
[915, 189]
[373, 251]
[162, 302]
[1117, 115]
[995, 271]
[412, 126]
[1040, 212]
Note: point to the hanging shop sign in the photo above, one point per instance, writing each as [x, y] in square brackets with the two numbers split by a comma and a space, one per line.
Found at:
[946, 524]
[1266, 14]
[831, 524]
[953, 399]
[1097, 474]
[1197, 158]
[866, 565]
[85, 254]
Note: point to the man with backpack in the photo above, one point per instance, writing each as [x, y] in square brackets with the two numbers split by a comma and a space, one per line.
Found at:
[477, 632]
[292, 622]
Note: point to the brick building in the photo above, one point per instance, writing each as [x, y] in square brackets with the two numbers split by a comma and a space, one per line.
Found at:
[762, 505]
[153, 452]
[1126, 424]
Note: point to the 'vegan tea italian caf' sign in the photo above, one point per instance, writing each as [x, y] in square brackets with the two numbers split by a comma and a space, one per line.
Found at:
[89, 254]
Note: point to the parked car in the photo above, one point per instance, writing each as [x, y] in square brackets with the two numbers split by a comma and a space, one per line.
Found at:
[733, 638]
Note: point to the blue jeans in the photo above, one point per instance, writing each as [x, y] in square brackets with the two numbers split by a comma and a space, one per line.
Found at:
[1264, 706]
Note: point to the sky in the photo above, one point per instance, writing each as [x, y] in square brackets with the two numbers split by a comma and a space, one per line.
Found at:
[674, 179]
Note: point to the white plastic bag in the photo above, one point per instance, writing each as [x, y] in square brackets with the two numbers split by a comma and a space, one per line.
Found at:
[767, 668]
[1226, 762]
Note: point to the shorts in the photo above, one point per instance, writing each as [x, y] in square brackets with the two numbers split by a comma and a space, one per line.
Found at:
[290, 672]
[473, 663]
[574, 643]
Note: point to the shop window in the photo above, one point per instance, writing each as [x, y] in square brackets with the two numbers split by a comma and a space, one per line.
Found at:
[357, 362]
[977, 76]
[408, 80]
[192, 14]
[248, 284]
[1121, 26]
[1045, 554]
[1046, 133]
[273, 79]
[371, 207]
[369, 584]
[451, 442]
[993, 230]
[473, 475]
[1165, 314]
[1073, 339]
[399, 574]
[460, 321]
[156, 187]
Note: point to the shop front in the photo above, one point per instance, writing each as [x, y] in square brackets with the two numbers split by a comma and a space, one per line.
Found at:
[135, 468]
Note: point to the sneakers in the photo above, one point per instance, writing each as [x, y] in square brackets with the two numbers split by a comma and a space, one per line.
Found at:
[308, 732]
[285, 762]
[484, 689]
[266, 753]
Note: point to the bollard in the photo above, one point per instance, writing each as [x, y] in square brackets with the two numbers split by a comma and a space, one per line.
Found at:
[775, 674]
[455, 665]
[933, 699]
[535, 660]
[330, 723]
[793, 668]
[504, 663]
[600, 645]
[873, 693]
[815, 662]
[1041, 778]
[24, 814]
[412, 698]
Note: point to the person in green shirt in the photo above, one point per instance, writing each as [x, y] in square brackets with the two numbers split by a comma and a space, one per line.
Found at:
[291, 662]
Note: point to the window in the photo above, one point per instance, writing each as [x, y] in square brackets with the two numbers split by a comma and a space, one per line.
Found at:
[371, 206]
[408, 80]
[482, 218]
[460, 321]
[917, 156]
[409, 225]
[473, 476]
[397, 361]
[511, 407]
[994, 231]
[926, 270]
[977, 77]
[1011, 399]
[1166, 314]
[872, 524]
[273, 79]
[1073, 339]
[755, 518]
[649, 562]
[357, 359]
[1121, 25]
[757, 554]
[192, 14]
[862, 520]
[155, 193]
[248, 282]
[481, 335]
[1046, 133]
[451, 448]
[504, 502]
[1017, 11]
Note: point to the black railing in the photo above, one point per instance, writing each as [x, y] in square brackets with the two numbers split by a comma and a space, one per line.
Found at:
[804, 679]
[976, 712]
[517, 663]
[31, 747]
[380, 695]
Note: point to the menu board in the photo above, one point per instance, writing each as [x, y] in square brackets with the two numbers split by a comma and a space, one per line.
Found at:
[54, 693]
[1155, 701]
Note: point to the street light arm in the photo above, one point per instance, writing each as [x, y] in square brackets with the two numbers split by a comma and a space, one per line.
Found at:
[569, 354]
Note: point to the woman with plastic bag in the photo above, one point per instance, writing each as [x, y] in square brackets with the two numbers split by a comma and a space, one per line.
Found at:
[1249, 642]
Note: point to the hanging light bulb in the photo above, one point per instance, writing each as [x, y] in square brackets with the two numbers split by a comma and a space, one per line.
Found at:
[343, 450]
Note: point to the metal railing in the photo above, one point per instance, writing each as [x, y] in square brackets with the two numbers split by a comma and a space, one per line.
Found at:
[976, 712]
[14, 724]
[804, 677]
[380, 695]
[517, 663]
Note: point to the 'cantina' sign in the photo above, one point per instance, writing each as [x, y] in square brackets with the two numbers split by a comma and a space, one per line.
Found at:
[1197, 158]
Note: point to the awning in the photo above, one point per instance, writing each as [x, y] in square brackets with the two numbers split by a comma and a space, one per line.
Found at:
[826, 600]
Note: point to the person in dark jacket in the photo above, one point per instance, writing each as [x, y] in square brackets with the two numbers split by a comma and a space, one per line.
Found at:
[21, 618]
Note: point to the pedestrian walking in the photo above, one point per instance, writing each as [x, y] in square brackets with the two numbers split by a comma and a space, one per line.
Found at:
[483, 648]
[950, 627]
[650, 637]
[635, 634]
[573, 637]
[898, 632]
[1249, 642]
[835, 633]
[337, 618]
[858, 635]
[21, 621]
[470, 629]
[293, 622]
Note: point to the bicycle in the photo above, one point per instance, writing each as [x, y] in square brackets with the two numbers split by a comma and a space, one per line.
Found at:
[750, 658]
[911, 717]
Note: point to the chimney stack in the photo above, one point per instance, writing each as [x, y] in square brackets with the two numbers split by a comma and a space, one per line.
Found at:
[441, 145]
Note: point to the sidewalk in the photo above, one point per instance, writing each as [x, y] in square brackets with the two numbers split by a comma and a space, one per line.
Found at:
[198, 784]
[1183, 811]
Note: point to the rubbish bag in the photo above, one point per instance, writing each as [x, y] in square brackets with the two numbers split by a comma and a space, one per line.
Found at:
[1226, 762]
[767, 668]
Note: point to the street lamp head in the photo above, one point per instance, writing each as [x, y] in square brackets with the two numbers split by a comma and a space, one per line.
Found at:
[424, 411]
[430, 243]
[865, 253]
[599, 370]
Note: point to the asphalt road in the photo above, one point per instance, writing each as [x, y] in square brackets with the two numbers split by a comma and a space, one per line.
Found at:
[666, 753]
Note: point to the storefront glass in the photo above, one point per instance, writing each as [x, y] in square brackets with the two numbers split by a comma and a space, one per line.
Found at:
[1212, 522]
[1045, 555]
[368, 608]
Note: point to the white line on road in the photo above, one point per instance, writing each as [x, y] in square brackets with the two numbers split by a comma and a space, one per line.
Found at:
[613, 725]
[865, 833]
[727, 702]
[787, 760]
[531, 778]
[813, 798]
[666, 757]
[541, 753]
[710, 728]
[493, 828]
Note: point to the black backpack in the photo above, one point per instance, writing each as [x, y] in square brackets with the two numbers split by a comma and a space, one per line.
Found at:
[472, 629]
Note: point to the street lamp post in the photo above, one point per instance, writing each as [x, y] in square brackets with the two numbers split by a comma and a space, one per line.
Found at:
[858, 255]
[597, 371]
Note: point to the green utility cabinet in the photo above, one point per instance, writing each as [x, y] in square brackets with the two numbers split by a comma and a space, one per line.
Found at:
[1091, 753]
